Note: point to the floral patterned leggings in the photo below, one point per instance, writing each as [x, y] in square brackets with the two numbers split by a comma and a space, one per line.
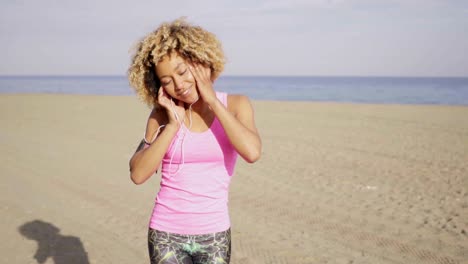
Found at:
[169, 248]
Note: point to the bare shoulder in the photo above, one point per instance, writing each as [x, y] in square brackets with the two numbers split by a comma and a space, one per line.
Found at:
[156, 118]
[241, 107]
[238, 103]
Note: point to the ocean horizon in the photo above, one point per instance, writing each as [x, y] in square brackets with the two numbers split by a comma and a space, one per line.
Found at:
[352, 89]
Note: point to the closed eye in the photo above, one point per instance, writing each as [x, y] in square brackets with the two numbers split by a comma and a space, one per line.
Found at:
[166, 82]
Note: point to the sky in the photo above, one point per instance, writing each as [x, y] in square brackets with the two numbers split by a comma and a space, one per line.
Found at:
[288, 38]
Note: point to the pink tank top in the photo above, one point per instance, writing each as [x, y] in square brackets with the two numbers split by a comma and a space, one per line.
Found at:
[193, 198]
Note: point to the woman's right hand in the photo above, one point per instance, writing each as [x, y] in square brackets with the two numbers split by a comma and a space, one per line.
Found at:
[175, 112]
[146, 162]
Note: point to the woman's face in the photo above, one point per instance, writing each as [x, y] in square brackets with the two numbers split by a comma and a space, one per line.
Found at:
[177, 79]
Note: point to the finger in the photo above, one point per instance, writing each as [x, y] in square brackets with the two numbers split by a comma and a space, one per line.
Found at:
[194, 72]
[162, 95]
[161, 91]
[206, 72]
[201, 70]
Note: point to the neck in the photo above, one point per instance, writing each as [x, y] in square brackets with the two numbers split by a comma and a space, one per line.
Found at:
[200, 107]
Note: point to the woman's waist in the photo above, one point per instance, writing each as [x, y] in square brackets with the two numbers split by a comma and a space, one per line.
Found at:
[167, 220]
[183, 202]
[178, 208]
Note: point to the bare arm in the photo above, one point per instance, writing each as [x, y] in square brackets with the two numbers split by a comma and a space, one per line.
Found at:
[145, 162]
[237, 121]
[239, 124]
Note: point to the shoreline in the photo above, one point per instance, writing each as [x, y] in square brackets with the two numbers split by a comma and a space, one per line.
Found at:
[253, 100]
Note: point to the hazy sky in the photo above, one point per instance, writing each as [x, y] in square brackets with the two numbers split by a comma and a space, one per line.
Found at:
[294, 37]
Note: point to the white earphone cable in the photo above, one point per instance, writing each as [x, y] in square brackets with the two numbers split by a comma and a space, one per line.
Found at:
[182, 140]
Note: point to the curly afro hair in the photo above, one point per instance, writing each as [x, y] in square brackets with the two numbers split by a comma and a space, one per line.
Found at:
[191, 42]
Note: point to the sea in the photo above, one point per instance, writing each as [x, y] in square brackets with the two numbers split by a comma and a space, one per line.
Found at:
[375, 90]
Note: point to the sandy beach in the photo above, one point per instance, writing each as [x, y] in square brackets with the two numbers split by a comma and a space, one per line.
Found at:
[337, 183]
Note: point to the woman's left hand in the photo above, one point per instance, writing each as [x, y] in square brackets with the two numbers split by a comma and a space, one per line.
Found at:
[204, 83]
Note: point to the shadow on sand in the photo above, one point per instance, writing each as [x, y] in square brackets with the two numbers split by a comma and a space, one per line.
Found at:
[62, 249]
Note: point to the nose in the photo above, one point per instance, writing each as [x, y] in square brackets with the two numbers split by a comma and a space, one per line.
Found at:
[178, 82]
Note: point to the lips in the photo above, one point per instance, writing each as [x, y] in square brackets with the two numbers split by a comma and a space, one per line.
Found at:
[185, 92]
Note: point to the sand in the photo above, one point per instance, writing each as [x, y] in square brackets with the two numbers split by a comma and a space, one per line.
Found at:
[337, 183]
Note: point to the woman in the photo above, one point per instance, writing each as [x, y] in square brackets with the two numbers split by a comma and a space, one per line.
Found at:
[195, 133]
